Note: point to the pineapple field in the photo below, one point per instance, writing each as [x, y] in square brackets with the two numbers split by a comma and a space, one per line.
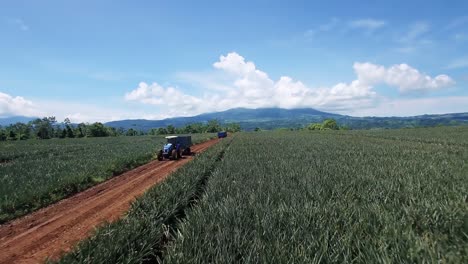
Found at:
[303, 197]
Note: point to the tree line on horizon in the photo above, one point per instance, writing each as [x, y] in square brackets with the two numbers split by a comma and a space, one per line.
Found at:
[48, 127]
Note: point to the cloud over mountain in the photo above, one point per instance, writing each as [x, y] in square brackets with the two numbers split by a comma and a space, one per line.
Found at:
[251, 87]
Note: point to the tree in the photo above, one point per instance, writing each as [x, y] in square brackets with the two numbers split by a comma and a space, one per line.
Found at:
[3, 135]
[197, 128]
[162, 131]
[153, 131]
[81, 130]
[330, 124]
[12, 135]
[131, 132]
[68, 128]
[327, 124]
[314, 126]
[63, 134]
[44, 127]
[70, 133]
[171, 129]
[257, 129]
[213, 126]
[233, 127]
[97, 130]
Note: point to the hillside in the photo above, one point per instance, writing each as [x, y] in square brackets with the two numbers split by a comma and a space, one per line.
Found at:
[5, 121]
[271, 118]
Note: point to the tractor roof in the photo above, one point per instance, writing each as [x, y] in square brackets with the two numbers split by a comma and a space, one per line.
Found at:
[168, 137]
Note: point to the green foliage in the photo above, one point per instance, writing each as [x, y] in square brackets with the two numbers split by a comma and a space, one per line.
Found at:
[233, 127]
[39, 172]
[394, 196]
[3, 135]
[213, 126]
[97, 130]
[162, 131]
[171, 129]
[131, 132]
[330, 124]
[140, 236]
[354, 196]
[314, 126]
[12, 135]
[327, 124]
[44, 127]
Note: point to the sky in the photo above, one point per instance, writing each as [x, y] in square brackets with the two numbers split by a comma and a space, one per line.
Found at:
[110, 60]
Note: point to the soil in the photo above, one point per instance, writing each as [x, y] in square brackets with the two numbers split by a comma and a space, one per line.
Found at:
[56, 229]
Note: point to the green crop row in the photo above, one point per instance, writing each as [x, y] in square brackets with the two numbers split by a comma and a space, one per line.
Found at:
[142, 234]
[36, 173]
[333, 197]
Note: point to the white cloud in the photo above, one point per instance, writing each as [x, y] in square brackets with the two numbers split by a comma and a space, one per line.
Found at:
[77, 112]
[403, 76]
[10, 106]
[174, 101]
[368, 24]
[253, 88]
[244, 85]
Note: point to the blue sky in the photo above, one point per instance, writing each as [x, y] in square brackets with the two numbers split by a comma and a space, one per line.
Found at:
[108, 60]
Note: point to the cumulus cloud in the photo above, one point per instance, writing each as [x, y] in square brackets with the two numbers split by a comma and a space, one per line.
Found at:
[16, 105]
[252, 88]
[403, 76]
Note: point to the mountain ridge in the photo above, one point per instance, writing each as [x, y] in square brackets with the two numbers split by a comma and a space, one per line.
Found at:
[270, 118]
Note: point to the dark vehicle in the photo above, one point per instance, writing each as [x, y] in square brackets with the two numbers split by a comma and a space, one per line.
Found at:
[222, 134]
[175, 147]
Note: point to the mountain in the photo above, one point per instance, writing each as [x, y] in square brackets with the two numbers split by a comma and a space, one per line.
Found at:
[5, 121]
[271, 118]
[265, 118]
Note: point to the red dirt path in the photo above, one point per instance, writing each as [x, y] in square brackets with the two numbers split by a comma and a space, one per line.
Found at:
[53, 230]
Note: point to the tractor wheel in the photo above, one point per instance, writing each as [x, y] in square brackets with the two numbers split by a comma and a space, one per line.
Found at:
[174, 155]
[187, 152]
[179, 154]
[160, 155]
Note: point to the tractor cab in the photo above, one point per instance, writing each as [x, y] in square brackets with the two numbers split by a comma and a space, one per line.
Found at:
[175, 147]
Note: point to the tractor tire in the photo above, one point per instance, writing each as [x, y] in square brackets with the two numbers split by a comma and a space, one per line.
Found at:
[174, 155]
[160, 155]
[187, 152]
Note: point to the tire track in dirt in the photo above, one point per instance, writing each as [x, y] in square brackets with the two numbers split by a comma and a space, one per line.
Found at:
[51, 231]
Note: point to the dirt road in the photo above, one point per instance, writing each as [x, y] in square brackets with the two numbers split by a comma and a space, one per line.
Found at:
[56, 229]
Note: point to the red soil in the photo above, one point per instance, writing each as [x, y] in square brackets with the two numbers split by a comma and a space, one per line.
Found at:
[51, 231]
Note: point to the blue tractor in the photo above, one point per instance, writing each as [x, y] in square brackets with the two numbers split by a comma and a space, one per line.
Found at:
[175, 147]
[222, 134]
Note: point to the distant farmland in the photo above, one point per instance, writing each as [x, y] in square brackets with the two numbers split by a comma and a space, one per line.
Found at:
[304, 197]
